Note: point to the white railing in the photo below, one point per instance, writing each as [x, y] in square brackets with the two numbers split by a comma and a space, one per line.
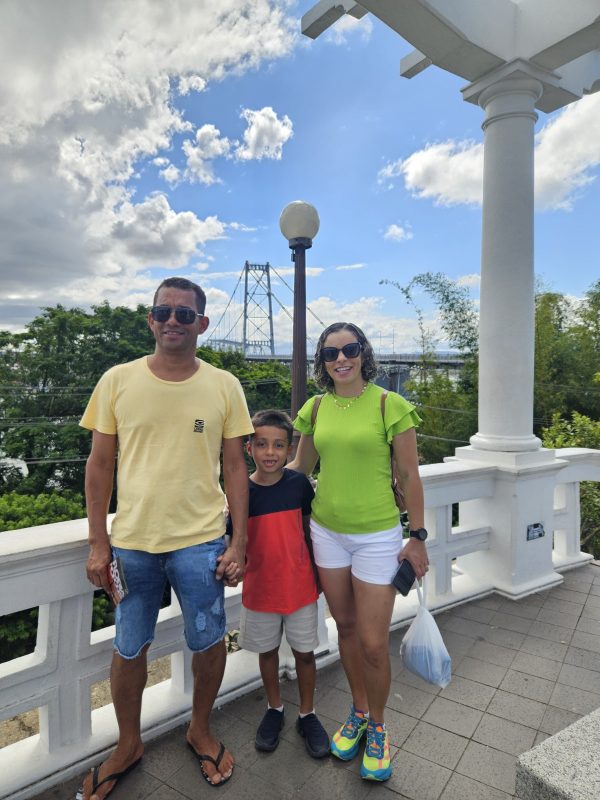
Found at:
[44, 567]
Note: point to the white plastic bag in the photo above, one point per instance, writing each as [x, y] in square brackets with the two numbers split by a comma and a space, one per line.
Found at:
[423, 650]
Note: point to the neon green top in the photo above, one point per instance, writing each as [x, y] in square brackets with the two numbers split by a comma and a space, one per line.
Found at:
[354, 493]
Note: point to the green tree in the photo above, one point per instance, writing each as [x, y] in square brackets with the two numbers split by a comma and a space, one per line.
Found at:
[25, 511]
[580, 431]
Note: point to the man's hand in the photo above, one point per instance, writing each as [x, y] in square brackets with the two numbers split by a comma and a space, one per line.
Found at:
[97, 564]
[230, 566]
[415, 552]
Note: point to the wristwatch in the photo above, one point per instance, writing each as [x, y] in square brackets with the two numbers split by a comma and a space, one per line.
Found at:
[419, 533]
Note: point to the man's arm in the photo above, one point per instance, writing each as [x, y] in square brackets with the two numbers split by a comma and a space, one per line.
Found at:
[235, 476]
[99, 476]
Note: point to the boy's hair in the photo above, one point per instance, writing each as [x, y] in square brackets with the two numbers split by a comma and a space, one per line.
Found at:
[274, 419]
[187, 286]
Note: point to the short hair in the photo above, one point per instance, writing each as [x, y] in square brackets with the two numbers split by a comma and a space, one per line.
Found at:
[187, 286]
[274, 419]
[368, 363]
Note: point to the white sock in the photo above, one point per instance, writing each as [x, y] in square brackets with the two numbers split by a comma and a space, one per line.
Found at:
[306, 715]
[280, 709]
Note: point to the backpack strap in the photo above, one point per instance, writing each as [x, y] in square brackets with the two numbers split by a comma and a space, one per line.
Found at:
[315, 409]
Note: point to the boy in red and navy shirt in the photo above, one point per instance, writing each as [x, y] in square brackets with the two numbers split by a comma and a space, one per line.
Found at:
[279, 591]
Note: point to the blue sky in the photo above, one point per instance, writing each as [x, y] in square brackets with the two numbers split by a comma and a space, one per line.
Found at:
[135, 145]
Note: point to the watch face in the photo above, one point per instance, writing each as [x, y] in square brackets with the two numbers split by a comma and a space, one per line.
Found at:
[419, 533]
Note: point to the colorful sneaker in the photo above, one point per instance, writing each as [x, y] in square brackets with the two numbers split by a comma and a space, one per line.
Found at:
[376, 760]
[346, 740]
[267, 735]
[315, 735]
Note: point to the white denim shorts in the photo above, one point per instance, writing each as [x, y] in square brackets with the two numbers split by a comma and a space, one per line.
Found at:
[372, 557]
[261, 631]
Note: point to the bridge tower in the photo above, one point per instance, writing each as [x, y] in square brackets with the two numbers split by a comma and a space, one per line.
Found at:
[258, 310]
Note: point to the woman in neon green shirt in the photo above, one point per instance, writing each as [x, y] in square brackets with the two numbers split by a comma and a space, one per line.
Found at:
[357, 537]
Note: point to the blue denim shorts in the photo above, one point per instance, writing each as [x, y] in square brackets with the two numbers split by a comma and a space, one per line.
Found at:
[191, 573]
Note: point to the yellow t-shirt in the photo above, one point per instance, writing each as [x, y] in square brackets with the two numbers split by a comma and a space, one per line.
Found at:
[169, 442]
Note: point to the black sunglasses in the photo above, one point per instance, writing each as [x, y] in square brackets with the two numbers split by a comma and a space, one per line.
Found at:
[350, 350]
[183, 314]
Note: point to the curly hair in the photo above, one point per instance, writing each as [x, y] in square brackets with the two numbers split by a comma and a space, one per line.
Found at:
[368, 365]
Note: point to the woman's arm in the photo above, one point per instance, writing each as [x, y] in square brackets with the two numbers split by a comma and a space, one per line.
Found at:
[407, 466]
[306, 456]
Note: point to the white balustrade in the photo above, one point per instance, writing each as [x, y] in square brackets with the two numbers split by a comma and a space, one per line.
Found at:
[44, 567]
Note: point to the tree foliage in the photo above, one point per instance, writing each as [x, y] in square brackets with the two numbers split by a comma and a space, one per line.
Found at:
[25, 511]
[580, 431]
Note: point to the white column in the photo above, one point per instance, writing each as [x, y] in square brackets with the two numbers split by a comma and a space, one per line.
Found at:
[506, 328]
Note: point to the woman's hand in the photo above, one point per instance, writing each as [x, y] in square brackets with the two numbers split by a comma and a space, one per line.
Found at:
[416, 552]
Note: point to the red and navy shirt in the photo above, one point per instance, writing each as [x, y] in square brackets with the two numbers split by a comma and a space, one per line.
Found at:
[279, 577]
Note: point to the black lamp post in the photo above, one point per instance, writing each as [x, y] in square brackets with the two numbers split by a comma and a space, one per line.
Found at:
[299, 223]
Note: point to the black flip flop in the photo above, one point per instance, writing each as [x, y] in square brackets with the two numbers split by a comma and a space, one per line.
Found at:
[116, 777]
[214, 761]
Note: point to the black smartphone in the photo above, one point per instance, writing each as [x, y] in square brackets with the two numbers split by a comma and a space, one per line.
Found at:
[404, 577]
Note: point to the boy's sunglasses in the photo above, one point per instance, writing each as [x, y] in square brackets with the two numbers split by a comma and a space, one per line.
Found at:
[351, 350]
[183, 314]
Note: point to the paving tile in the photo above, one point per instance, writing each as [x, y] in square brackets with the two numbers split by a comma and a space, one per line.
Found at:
[517, 709]
[409, 678]
[569, 594]
[577, 580]
[469, 693]
[334, 782]
[565, 606]
[457, 644]
[164, 793]
[551, 632]
[493, 601]
[544, 648]
[452, 716]
[573, 699]
[540, 737]
[460, 787]
[587, 641]
[511, 622]
[289, 766]
[481, 671]
[409, 700]
[555, 617]
[555, 719]
[591, 611]
[416, 778]
[592, 600]
[489, 766]
[464, 627]
[493, 653]
[510, 737]
[135, 786]
[504, 637]
[580, 677]
[471, 611]
[398, 726]
[521, 608]
[583, 658]
[588, 625]
[335, 704]
[529, 686]
[535, 665]
[167, 754]
[434, 744]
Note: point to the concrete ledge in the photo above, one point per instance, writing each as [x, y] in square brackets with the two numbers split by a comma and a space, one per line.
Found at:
[565, 766]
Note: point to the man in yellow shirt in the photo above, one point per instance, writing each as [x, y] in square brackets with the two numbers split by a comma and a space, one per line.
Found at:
[166, 416]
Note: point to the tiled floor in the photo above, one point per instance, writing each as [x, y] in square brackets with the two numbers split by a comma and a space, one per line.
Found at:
[521, 672]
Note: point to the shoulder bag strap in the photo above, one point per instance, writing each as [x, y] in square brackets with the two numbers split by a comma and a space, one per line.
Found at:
[315, 409]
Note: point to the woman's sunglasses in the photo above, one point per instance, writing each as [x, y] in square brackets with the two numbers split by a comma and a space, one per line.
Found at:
[183, 314]
[351, 350]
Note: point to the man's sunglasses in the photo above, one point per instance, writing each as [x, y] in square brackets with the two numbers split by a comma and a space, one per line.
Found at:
[351, 350]
[183, 314]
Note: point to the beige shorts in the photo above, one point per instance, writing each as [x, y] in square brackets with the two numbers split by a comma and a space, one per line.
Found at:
[261, 631]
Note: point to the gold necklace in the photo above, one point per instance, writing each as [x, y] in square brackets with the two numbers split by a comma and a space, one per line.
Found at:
[351, 400]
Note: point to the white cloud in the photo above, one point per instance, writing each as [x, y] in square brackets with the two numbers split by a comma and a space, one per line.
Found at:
[88, 103]
[566, 155]
[171, 174]
[351, 266]
[398, 233]
[239, 226]
[472, 280]
[209, 145]
[348, 26]
[191, 83]
[265, 135]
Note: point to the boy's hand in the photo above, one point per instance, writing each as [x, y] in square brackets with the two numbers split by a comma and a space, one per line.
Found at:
[230, 566]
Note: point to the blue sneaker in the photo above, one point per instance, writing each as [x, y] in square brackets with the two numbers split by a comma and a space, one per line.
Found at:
[346, 740]
[376, 760]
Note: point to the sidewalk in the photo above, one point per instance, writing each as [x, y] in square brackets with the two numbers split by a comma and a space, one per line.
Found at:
[521, 671]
